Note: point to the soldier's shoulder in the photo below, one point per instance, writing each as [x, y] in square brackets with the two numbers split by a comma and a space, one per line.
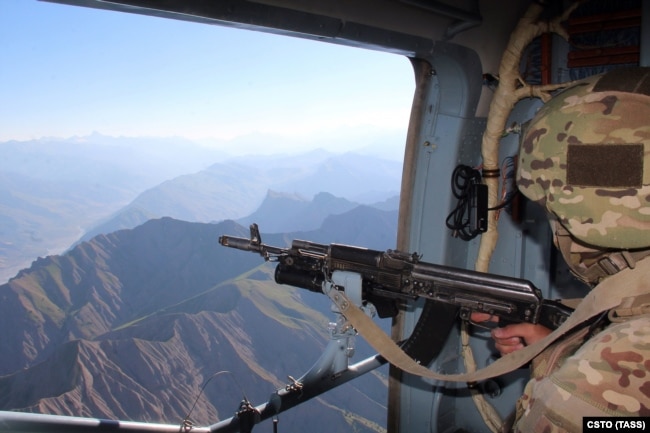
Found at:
[611, 369]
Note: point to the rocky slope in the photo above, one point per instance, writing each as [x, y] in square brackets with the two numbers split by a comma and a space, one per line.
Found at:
[131, 325]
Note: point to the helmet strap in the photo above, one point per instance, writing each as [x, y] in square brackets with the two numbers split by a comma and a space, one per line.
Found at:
[590, 264]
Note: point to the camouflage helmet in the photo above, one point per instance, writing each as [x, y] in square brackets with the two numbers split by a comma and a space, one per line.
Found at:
[586, 157]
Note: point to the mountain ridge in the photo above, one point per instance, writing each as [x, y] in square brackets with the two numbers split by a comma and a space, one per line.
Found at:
[139, 319]
[239, 190]
[55, 192]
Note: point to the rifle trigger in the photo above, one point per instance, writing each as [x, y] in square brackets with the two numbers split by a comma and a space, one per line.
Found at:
[482, 325]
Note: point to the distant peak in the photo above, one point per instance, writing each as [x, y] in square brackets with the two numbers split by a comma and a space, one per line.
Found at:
[274, 195]
[325, 197]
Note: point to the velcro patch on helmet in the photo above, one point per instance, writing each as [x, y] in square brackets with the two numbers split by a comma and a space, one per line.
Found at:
[605, 165]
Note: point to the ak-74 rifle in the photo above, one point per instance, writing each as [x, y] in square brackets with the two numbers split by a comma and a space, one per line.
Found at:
[390, 276]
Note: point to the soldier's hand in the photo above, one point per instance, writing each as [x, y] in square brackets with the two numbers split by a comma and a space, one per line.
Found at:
[512, 337]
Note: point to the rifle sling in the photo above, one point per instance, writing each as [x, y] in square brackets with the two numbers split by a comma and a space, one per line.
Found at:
[608, 294]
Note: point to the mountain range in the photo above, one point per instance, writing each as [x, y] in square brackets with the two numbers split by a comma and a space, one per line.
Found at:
[52, 190]
[54, 193]
[131, 324]
[237, 188]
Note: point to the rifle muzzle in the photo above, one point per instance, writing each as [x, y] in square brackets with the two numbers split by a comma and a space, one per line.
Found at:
[239, 243]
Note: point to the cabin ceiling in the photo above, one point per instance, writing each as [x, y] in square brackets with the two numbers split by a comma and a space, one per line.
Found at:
[408, 27]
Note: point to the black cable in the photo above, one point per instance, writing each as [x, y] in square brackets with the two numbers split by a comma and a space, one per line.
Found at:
[503, 204]
[463, 180]
[509, 188]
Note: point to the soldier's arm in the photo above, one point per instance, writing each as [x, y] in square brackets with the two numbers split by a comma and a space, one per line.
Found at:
[512, 337]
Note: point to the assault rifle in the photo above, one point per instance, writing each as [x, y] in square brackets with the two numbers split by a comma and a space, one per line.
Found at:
[390, 276]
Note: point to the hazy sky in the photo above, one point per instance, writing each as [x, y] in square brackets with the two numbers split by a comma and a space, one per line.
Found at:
[69, 71]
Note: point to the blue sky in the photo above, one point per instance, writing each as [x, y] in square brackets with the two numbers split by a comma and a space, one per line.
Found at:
[68, 71]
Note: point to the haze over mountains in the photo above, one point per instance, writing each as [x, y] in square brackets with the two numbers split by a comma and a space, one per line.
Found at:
[237, 188]
[55, 192]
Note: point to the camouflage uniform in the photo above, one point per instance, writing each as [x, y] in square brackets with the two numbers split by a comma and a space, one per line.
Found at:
[583, 159]
[606, 376]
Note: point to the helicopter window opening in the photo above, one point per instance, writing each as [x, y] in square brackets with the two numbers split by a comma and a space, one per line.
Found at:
[107, 112]
[80, 79]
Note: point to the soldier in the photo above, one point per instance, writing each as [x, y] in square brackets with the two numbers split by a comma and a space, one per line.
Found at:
[585, 157]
